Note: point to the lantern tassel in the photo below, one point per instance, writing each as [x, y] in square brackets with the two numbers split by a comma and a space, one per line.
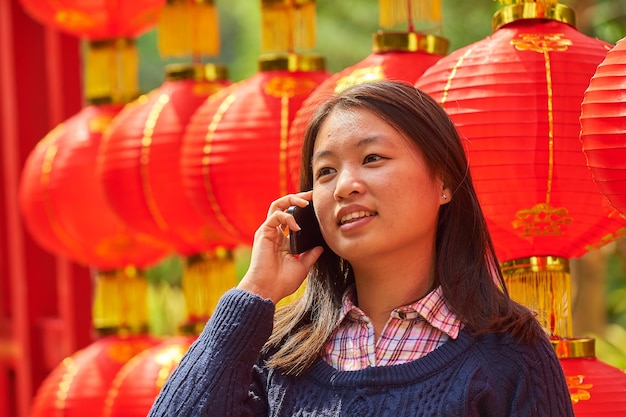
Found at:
[206, 278]
[111, 70]
[396, 12]
[120, 301]
[188, 28]
[547, 2]
[288, 25]
[544, 287]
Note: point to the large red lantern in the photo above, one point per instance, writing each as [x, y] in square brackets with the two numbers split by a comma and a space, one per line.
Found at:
[139, 159]
[395, 56]
[64, 206]
[138, 382]
[78, 386]
[516, 96]
[102, 19]
[603, 126]
[234, 149]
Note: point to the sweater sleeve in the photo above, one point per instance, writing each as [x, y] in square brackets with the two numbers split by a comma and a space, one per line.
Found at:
[521, 381]
[215, 377]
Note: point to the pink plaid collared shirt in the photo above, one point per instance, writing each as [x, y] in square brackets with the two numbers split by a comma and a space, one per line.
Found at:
[411, 332]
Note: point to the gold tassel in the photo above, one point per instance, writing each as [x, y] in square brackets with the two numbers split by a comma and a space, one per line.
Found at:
[120, 301]
[544, 285]
[293, 297]
[287, 25]
[546, 2]
[206, 278]
[188, 27]
[396, 12]
[111, 71]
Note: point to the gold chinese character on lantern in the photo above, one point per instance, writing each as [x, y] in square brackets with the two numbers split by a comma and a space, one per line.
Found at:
[541, 220]
[578, 389]
[541, 42]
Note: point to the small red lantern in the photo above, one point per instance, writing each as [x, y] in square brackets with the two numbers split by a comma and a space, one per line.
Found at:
[103, 19]
[395, 56]
[603, 126]
[139, 159]
[139, 381]
[63, 205]
[596, 388]
[234, 157]
[77, 387]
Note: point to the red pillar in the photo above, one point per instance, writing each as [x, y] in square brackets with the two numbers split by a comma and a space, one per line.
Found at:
[45, 301]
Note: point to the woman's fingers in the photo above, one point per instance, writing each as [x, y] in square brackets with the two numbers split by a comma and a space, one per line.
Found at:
[283, 203]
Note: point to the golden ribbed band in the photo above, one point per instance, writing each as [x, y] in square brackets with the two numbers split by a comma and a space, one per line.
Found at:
[532, 10]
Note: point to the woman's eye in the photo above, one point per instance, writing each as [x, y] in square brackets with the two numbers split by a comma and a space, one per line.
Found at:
[372, 158]
[324, 171]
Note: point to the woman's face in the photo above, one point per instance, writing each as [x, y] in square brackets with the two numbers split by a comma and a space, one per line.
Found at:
[373, 193]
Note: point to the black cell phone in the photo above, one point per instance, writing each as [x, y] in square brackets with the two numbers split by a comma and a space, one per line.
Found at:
[309, 235]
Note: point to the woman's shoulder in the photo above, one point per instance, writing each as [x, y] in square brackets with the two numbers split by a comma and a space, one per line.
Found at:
[499, 351]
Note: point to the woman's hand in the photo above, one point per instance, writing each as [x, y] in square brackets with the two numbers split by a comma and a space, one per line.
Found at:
[274, 272]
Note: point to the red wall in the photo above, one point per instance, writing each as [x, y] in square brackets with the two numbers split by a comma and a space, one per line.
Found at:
[44, 300]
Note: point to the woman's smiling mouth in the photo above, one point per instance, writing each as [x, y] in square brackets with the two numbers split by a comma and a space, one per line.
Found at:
[350, 217]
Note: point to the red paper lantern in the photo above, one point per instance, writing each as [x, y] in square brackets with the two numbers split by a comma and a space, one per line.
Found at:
[395, 56]
[596, 388]
[139, 159]
[77, 387]
[64, 206]
[102, 19]
[516, 97]
[603, 126]
[139, 381]
[234, 149]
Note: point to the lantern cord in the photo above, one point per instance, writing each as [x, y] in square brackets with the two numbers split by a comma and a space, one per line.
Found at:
[397, 12]
[288, 25]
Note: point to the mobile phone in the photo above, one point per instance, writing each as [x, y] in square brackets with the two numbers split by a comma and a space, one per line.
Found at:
[309, 235]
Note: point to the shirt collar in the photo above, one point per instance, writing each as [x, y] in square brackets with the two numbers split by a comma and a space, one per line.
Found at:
[432, 308]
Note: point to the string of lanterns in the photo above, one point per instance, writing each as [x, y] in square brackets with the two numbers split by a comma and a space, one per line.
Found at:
[190, 167]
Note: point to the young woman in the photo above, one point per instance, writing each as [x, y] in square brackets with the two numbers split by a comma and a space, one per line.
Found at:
[405, 311]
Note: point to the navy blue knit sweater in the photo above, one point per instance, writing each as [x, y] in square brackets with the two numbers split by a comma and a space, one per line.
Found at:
[223, 375]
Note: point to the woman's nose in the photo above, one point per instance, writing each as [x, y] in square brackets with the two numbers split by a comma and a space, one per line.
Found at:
[348, 183]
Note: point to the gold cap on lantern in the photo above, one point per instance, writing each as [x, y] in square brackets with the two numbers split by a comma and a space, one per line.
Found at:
[574, 348]
[198, 72]
[410, 42]
[532, 9]
[291, 62]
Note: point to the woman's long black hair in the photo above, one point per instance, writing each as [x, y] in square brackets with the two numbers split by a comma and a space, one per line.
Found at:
[465, 262]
